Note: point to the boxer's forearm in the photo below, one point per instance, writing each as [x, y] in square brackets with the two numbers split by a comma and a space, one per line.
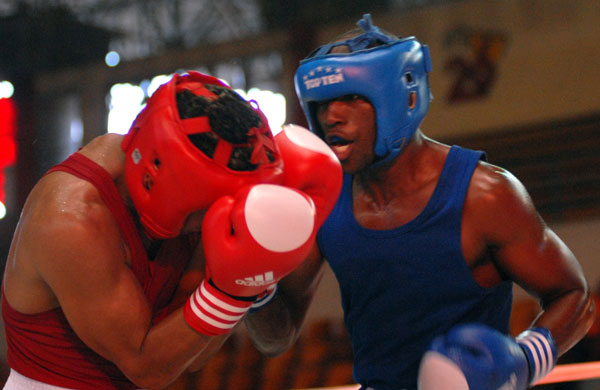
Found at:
[213, 346]
[272, 329]
[275, 327]
[568, 317]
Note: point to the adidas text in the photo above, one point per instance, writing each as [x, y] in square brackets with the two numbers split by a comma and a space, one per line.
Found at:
[256, 280]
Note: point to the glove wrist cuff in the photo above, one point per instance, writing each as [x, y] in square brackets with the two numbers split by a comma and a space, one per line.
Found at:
[211, 312]
[263, 299]
[250, 299]
[540, 349]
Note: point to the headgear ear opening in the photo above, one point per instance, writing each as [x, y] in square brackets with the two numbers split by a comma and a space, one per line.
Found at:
[390, 72]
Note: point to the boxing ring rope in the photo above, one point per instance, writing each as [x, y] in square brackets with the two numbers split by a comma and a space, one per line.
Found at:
[560, 373]
[572, 372]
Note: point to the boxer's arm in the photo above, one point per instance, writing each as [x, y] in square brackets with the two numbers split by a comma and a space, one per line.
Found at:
[276, 326]
[527, 251]
[192, 277]
[500, 215]
[212, 348]
[82, 259]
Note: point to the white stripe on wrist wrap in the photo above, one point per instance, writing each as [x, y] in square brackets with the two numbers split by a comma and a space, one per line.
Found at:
[540, 349]
[211, 312]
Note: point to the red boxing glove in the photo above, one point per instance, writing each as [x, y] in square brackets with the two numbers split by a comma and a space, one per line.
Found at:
[250, 243]
[310, 166]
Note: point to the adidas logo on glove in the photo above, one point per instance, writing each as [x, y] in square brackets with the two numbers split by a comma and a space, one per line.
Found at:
[256, 280]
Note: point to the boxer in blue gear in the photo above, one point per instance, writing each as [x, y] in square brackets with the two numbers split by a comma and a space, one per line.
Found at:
[399, 89]
[426, 239]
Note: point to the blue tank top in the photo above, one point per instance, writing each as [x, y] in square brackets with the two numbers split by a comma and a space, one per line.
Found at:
[402, 287]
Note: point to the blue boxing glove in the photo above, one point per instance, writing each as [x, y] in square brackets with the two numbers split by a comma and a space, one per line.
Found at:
[477, 357]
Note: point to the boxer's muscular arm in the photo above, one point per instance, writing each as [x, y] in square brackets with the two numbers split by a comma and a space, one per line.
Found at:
[527, 251]
[275, 327]
[192, 277]
[500, 220]
[83, 261]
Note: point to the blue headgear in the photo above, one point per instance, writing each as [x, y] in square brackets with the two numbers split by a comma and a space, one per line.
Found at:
[392, 76]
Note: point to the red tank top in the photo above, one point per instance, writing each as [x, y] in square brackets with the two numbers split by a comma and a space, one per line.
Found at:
[44, 347]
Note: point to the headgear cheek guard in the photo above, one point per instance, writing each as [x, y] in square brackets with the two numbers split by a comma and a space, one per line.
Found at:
[168, 177]
[392, 76]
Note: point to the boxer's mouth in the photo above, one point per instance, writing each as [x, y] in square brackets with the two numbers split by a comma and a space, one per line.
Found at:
[336, 140]
[340, 146]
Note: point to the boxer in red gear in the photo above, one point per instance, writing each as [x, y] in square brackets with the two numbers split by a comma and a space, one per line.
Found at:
[108, 250]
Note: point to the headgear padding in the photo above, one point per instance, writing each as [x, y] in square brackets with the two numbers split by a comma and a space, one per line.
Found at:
[168, 177]
[392, 76]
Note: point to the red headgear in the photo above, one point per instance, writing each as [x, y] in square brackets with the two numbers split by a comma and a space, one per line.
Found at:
[168, 177]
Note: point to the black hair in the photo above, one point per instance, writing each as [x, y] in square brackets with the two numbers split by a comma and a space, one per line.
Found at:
[230, 118]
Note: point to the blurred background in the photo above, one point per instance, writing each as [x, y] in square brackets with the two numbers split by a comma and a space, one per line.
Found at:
[519, 79]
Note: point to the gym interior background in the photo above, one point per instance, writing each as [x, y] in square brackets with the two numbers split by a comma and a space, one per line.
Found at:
[517, 78]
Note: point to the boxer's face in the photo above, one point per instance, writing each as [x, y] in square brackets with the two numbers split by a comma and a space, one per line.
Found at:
[349, 127]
